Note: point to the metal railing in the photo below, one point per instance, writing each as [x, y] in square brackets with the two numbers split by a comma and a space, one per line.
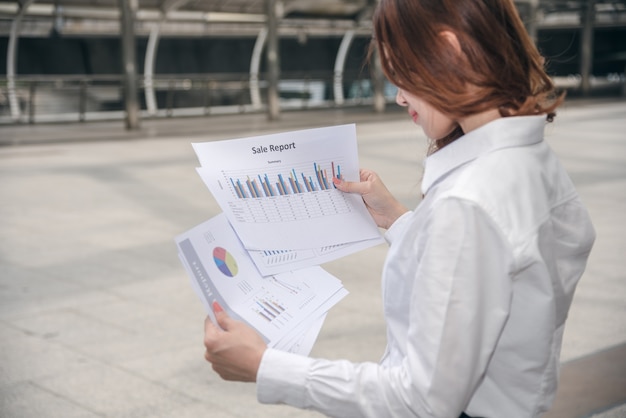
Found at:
[69, 98]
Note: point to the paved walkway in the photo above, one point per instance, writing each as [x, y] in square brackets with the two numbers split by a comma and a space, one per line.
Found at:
[97, 318]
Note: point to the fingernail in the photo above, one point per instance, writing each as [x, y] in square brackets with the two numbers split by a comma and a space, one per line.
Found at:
[217, 307]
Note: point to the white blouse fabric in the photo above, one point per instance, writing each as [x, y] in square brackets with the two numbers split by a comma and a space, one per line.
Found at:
[476, 288]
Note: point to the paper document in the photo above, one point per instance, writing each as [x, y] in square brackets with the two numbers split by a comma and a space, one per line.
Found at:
[286, 309]
[278, 261]
[277, 190]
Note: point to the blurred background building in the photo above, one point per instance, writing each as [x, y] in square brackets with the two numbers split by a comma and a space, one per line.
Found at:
[80, 60]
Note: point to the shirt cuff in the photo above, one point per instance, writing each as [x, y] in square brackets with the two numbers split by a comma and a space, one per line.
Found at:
[397, 227]
[282, 377]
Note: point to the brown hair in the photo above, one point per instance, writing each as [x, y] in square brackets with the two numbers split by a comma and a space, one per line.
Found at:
[498, 67]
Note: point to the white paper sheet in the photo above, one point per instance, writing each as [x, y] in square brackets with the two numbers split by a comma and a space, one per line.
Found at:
[277, 191]
[278, 261]
[304, 341]
[285, 308]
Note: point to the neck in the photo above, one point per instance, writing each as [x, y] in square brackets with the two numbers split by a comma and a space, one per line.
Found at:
[477, 120]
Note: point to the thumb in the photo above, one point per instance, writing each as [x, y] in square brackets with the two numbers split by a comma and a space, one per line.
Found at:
[221, 316]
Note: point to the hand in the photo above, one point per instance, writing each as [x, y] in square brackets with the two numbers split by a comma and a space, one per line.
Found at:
[380, 203]
[235, 350]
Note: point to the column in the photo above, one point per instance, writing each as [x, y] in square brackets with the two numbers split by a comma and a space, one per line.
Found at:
[128, 9]
[12, 60]
[272, 58]
[339, 66]
[586, 46]
[378, 82]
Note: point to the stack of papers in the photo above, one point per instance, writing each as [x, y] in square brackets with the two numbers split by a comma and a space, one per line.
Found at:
[282, 217]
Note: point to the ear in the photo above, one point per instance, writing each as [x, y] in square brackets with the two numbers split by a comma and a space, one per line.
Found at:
[450, 37]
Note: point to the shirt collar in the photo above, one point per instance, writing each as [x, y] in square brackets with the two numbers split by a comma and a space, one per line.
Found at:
[498, 134]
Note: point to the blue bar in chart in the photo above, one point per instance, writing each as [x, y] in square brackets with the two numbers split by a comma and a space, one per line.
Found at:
[260, 185]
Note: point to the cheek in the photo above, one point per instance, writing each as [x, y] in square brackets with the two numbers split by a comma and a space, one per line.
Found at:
[437, 126]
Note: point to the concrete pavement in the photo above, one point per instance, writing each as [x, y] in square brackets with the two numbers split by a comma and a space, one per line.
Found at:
[97, 318]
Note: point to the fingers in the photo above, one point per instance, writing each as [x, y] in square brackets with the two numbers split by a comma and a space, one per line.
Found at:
[367, 175]
[380, 203]
[367, 179]
[235, 350]
[212, 331]
[352, 186]
[211, 334]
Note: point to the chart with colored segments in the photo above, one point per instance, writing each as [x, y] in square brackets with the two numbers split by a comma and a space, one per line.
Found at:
[225, 262]
[279, 307]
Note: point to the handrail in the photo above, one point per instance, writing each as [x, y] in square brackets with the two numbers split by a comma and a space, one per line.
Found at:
[79, 97]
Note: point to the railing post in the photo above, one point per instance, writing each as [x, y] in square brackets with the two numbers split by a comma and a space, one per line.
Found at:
[82, 104]
[307, 97]
[207, 97]
[624, 83]
[170, 98]
[31, 102]
[242, 88]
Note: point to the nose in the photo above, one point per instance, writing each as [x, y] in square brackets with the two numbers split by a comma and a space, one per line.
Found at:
[400, 98]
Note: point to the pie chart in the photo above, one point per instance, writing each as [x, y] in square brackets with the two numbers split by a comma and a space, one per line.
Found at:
[225, 261]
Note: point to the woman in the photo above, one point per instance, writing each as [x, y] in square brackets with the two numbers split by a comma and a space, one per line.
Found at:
[480, 276]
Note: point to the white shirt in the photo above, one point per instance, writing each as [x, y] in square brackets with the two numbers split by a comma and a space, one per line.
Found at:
[476, 288]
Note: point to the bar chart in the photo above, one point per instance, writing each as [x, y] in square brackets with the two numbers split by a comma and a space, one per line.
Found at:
[266, 307]
[258, 185]
[304, 191]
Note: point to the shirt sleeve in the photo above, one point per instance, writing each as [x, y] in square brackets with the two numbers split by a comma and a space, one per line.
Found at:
[397, 227]
[459, 305]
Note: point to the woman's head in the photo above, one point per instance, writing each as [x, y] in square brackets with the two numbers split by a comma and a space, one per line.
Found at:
[463, 56]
